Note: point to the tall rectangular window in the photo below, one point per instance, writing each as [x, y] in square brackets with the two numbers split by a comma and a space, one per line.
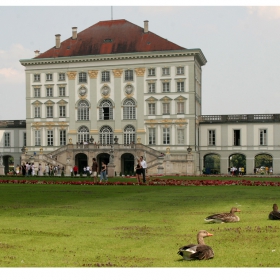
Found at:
[105, 77]
[49, 91]
[151, 72]
[180, 87]
[166, 136]
[152, 136]
[37, 138]
[37, 112]
[37, 92]
[152, 87]
[180, 70]
[180, 136]
[62, 137]
[49, 111]
[50, 138]
[236, 137]
[7, 139]
[263, 137]
[61, 76]
[62, 111]
[82, 77]
[49, 77]
[24, 139]
[165, 87]
[165, 108]
[128, 75]
[152, 108]
[211, 137]
[180, 108]
[37, 77]
[61, 91]
[165, 71]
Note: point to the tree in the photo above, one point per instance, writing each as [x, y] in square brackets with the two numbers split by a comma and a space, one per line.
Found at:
[263, 160]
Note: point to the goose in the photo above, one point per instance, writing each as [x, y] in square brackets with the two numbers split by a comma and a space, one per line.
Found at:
[275, 214]
[224, 217]
[199, 251]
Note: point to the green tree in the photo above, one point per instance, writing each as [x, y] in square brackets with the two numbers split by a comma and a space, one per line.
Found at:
[263, 160]
[237, 160]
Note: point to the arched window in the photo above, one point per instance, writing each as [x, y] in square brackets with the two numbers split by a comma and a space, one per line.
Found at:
[106, 110]
[106, 135]
[83, 111]
[83, 134]
[129, 109]
[129, 135]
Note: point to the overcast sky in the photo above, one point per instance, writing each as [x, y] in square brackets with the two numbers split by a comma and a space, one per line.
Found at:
[240, 43]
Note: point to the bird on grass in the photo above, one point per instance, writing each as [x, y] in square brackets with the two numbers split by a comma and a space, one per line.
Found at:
[274, 214]
[198, 251]
[224, 217]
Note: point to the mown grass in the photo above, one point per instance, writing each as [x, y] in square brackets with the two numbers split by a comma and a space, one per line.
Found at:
[134, 226]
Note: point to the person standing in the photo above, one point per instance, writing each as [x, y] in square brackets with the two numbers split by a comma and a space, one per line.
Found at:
[75, 169]
[138, 170]
[103, 175]
[144, 168]
[94, 169]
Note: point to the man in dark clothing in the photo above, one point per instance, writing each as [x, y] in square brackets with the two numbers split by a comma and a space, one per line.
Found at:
[94, 169]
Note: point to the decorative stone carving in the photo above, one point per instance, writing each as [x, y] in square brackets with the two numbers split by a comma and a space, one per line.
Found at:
[105, 91]
[93, 74]
[82, 91]
[71, 75]
[117, 73]
[140, 72]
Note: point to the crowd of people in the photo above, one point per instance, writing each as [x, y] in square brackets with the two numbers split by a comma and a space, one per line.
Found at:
[29, 169]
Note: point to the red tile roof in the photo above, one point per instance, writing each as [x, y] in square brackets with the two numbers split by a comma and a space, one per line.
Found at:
[111, 37]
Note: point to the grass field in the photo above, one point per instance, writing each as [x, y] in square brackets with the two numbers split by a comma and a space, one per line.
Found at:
[134, 226]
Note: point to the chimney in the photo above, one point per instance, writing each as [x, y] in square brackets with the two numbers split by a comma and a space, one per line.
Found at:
[146, 26]
[74, 33]
[37, 53]
[57, 41]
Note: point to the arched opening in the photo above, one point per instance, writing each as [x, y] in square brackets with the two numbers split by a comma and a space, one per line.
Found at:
[8, 162]
[81, 161]
[127, 163]
[103, 157]
[263, 164]
[129, 135]
[237, 164]
[211, 164]
[106, 135]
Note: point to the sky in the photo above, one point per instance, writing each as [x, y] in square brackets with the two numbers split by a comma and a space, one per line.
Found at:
[240, 43]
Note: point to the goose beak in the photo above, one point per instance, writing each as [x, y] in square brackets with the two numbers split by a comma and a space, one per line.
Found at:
[238, 210]
[209, 234]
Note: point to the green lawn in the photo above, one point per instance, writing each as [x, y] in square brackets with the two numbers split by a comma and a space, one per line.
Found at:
[134, 226]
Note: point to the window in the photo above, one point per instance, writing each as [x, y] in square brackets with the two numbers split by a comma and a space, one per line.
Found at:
[62, 137]
[106, 135]
[180, 108]
[151, 72]
[82, 77]
[37, 138]
[37, 92]
[128, 75]
[236, 137]
[180, 70]
[49, 77]
[129, 135]
[152, 87]
[49, 91]
[61, 76]
[83, 134]
[152, 108]
[105, 77]
[180, 136]
[129, 109]
[49, 111]
[61, 91]
[62, 111]
[37, 112]
[24, 138]
[263, 137]
[7, 139]
[37, 77]
[105, 110]
[180, 86]
[83, 111]
[166, 136]
[50, 138]
[211, 137]
[165, 71]
[152, 136]
[165, 87]
[165, 108]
